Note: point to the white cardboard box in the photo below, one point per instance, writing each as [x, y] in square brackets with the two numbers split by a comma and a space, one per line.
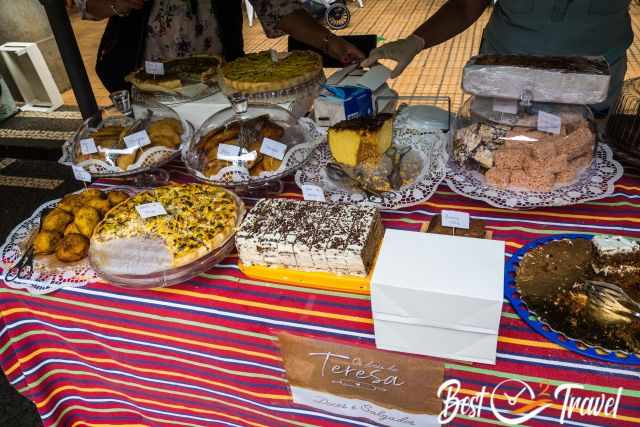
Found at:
[427, 287]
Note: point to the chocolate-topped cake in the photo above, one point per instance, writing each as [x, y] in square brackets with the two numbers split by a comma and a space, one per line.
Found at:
[310, 236]
[476, 228]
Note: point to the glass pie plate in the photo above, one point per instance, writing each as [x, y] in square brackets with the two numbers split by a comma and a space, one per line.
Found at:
[177, 275]
[246, 129]
[104, 164]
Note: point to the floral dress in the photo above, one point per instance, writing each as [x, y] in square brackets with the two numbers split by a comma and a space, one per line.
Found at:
[175, 30]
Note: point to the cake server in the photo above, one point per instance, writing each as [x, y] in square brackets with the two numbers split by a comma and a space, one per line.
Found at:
[613, 302]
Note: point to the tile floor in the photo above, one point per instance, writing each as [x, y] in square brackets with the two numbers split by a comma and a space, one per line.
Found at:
[434, 72]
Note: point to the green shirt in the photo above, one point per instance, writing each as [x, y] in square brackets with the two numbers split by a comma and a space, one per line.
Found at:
[560, 27]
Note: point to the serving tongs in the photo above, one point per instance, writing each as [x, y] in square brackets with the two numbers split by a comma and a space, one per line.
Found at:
[24, 267]
[337, 173]
[396, 154]
[611, 300]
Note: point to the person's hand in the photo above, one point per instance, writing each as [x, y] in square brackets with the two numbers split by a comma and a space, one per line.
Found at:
[343, 51]
[402, 51]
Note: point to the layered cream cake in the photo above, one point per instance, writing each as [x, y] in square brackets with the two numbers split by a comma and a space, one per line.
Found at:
[616, 256]
[310, 236]
[355, 141]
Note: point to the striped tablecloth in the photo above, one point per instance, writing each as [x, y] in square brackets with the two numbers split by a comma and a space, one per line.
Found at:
[203, 353]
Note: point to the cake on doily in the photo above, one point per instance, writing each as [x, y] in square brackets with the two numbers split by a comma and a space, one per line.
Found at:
[269, 71]
[310, 236]
[355, 141]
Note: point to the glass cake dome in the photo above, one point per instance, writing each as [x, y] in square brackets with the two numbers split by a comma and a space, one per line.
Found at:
[249, 145]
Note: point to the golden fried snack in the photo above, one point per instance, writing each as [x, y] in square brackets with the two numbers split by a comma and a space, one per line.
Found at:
[126, 160]
[164, 126]
[91, 193]
[271, 130]
[116, 197]
[270, 164]
[219, 136]
[214, 166]
[165, 140]
[56, 220]
[86, 220]
[73, 247]
[70, 202]
[46, 242]
[101, 205]
[72, 229]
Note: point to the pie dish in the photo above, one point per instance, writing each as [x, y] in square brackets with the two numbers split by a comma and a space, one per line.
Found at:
[179, 73]
[199, 219]
[259, 72]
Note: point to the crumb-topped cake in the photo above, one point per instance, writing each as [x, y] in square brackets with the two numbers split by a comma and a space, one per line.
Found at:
[310, 236]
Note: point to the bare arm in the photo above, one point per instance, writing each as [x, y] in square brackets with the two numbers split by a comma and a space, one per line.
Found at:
[303, 27]
[450, 20]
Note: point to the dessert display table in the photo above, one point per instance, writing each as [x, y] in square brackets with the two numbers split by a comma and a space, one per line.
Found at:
[203, 353]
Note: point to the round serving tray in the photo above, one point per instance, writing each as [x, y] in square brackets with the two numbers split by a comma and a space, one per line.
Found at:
[162, 279]
[512, 293]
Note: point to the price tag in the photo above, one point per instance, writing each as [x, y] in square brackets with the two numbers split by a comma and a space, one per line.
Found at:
[149, 210]
[273, 148]
[455, 219]
[88, 146]
[508, 106]
[138, 139]
[80, 174]
[313, 193]
[155, 68]
[230, 153]
[549, 123]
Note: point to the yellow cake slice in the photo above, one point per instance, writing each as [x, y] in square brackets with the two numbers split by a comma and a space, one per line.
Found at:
[365, 139]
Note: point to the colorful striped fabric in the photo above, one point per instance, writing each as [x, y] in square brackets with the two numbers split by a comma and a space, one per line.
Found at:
[204, 354]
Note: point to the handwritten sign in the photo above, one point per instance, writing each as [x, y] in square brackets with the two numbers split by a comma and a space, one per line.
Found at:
[273, 148]
[155, 68]
[389, 388]
[455, 219]
[313, 193]
[508, 106]
[88, 146]
[138, 139]
[229, 152]
[150, 210]
[549, 123]
[81, 174]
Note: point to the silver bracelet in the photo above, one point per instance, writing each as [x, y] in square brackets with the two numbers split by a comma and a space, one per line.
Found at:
[117, 12]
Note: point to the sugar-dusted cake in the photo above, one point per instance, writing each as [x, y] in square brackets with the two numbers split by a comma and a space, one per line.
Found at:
[617, 257]
[310, 236]
[355, 141]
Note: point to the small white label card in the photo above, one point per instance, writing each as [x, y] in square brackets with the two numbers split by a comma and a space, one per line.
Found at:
[313, 193]
[455, 219]
[355, 381]
[508, 106]
[149, 210]
[550, 123]
[273, 148]
[138, 139]
[81, 174]
[155, 68]
[231, 152]
[88, 146]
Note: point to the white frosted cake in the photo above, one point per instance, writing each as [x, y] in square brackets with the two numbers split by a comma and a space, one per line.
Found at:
[310, 236]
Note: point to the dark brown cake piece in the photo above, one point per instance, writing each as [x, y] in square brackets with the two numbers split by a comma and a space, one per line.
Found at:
[476, 228]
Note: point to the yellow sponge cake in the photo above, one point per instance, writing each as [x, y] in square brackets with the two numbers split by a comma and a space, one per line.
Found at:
[364, 139]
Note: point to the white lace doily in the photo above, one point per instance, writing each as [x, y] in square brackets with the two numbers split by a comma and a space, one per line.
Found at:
[431, 145]
[150, 158]
[596, 182]
[41, 280]
[296, 157]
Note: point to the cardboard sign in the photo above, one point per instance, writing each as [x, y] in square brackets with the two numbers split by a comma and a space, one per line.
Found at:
[455, 219]
[81, 174]
[549, 123]
[138, 139]
[273, 148]
[313, 193]
[392, 389]
[155, 68]
[88, 146]
[150, 210]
